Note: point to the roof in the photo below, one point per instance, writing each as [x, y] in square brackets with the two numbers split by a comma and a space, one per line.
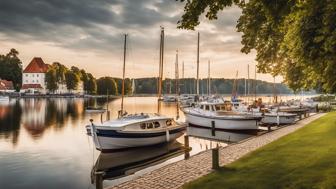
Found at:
[36, 66]
[6, 85]
[31, 86]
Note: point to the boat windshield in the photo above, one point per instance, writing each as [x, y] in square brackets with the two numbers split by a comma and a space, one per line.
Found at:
[219, 107]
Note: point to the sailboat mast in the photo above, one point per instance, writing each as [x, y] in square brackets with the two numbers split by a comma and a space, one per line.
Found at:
[197, 78]
[160, 69]
[255, 82]
[123, 79]
[209, 82]
[248, 80]
[177, 87]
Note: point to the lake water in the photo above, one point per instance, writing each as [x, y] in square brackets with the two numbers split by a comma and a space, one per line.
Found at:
[43, 144]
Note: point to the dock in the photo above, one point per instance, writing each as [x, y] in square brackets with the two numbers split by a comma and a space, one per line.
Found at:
[176, 174]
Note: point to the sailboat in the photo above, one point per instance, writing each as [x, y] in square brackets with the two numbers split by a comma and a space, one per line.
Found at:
[216, 113]
[136, 130]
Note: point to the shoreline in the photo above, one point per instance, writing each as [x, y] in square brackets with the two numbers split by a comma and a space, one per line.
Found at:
[177, 174]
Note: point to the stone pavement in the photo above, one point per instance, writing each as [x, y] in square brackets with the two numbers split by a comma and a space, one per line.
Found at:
[176, 174]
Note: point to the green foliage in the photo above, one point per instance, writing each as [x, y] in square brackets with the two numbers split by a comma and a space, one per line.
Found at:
[72, 80]
[51, 79]
[60, 71]
[303, 159]
[107, 85]
[295, 39]
[11, 68]
[218, 86]
[91, 84]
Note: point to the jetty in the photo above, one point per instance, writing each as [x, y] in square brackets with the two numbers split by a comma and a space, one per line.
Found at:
[177, 174]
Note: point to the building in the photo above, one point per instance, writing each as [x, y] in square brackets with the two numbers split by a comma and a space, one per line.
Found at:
[33, 76]
[6, 86]
[33, 79]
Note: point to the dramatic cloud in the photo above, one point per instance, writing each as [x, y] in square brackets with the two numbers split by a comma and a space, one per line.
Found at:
[88, 33]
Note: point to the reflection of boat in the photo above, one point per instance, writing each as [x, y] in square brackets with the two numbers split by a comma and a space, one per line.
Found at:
[94, 110]
[136, 130]
[227, 136]
[279, 118]
[126, 162]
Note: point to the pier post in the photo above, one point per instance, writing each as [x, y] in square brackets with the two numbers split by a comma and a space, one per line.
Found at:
[213, 128]
[99, 179]
[186, 147]
[215, 158]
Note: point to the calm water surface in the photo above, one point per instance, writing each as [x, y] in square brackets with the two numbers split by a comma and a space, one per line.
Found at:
[43, 144]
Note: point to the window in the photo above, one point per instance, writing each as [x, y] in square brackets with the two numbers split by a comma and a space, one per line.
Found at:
[33, 81]
[143, 125]
[218, 107]
[26, 81]
[26, 75]
[156, 124]
[169, 122]
[149, 125]
[202, 107]
[33, 75]
[37, 75]
[207, 107]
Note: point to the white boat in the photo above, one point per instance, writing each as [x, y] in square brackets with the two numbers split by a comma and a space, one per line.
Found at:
[4, 98]
[134, 131]
[168, 99]
[94, 110]
[215, 115]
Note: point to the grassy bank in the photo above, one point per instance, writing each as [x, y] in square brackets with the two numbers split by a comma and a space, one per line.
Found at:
[303, 159]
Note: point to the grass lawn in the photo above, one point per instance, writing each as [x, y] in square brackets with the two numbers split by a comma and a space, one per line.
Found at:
[303, 159]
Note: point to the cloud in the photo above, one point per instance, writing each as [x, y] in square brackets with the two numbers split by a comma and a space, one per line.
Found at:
[95, 28]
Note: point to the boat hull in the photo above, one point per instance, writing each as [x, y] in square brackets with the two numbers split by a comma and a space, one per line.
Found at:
[106, 140]
[224, 124]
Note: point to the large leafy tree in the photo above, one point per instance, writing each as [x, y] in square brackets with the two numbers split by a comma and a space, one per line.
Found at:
[91, 84]
[292, 38]
[11, 68]
[72, 79]
[107, 85]
[51, 80]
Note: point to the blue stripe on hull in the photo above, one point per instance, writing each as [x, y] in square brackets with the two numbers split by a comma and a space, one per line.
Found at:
[116, 134]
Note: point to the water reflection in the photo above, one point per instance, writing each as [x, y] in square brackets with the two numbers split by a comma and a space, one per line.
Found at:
[127, 162]
[218, 135]
[10, 119]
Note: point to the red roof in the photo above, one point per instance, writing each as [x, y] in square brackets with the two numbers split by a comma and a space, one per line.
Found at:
[36, 66]
[6, 85]
[31, 86]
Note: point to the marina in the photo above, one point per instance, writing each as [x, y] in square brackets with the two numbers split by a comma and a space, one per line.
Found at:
[52, 136]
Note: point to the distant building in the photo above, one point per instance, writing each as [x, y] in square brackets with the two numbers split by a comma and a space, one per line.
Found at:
[33, 76]
[6, 86]
[33, 79]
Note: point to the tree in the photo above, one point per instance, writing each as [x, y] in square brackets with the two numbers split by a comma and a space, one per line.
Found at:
[71, 80]
[91, 84]
[107, 85]
[11, 68]
[295, 39]
[51, 79]
[61, 70]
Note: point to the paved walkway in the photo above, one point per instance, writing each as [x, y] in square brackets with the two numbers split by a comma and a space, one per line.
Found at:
[176, 174]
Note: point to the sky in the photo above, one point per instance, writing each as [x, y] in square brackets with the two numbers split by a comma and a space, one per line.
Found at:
[89, 34]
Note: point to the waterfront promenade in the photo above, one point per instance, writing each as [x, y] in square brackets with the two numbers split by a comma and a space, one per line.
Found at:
[176, 174]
